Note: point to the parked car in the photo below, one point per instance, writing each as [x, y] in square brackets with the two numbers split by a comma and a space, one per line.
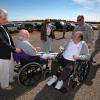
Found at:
[58, 25]
[95, 27]
[38, 26]
[12, 27]
[27, 26]
[69, 26]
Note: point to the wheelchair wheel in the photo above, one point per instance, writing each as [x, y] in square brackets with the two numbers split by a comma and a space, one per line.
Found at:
[30, 74]
[71, 84]
[84, 71]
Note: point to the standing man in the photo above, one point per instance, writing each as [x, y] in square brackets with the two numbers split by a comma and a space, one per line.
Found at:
[47, 35]
[6, 52]
[63, 26]
[64, 30]
[66, 27]
[87, 31]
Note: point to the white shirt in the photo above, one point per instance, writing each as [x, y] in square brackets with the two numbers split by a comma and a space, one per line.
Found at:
[48, 30]
[73, 49]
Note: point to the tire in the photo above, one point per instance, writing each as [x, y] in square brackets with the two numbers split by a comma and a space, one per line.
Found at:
[30, 74]
[71, 85]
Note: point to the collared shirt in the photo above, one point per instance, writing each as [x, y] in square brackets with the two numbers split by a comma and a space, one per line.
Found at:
[73, 49]
[48, 30]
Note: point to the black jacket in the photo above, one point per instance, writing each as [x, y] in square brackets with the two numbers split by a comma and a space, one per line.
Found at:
[5, 47]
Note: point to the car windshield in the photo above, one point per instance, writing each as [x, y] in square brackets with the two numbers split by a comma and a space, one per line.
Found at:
[10, 25]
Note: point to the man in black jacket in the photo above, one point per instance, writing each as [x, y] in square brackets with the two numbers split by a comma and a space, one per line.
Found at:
[6, 52]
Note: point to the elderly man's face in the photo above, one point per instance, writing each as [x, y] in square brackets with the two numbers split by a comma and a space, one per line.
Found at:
[24, 34]
[76, 37]
[3, 19]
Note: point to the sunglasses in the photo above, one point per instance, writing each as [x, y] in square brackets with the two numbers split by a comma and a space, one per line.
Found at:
[79, 19]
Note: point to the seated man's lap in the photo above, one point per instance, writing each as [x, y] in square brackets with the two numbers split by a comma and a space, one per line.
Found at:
[69, 66]
[62, 62]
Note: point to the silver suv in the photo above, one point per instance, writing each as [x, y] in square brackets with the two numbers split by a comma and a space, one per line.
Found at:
[12, 27]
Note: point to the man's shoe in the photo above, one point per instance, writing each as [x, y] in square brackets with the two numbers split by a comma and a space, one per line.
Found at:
[59, 85]
[52, 80]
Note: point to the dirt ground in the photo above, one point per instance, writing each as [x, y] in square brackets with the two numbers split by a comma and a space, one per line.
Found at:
[90, 90]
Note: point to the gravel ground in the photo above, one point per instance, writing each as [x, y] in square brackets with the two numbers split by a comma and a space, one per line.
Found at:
[90, 90]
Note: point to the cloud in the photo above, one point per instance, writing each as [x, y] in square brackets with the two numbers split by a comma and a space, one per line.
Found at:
[89, 16]
[89, 8]
[87, 2]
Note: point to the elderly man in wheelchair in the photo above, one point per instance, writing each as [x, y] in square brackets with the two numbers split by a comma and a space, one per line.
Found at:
[74, 60]
[30, 61]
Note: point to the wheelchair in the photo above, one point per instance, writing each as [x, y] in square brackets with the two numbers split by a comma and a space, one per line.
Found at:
[30, 71]
[79, 74]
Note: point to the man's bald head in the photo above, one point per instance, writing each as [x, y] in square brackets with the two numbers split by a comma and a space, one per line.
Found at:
[24, 34]
[78, 36]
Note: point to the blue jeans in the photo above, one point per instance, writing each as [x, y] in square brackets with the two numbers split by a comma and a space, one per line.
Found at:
[47, 45]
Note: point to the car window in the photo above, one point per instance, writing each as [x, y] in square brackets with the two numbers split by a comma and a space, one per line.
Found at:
[10, 25]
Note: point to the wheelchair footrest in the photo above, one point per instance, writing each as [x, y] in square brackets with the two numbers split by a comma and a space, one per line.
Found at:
[63, 90]
[16, 70]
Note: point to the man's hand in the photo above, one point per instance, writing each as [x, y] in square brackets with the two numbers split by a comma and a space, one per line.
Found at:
[61, 48]
[18, 50]
[76, 57]
[38, 49]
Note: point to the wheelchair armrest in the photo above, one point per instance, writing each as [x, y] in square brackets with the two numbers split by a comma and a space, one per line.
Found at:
[91, 61]
[82, 60]
[59, 55]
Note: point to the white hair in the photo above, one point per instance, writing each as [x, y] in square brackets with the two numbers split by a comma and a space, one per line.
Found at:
[3, 12]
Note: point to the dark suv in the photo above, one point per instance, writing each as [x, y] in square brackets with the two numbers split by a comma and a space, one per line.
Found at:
[26, 26]
[68, 27]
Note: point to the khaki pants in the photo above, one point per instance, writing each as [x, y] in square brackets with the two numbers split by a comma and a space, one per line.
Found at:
[6, 72]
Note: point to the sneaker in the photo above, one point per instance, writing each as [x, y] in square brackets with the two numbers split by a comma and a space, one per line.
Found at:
[59, 85]
[52, 80]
